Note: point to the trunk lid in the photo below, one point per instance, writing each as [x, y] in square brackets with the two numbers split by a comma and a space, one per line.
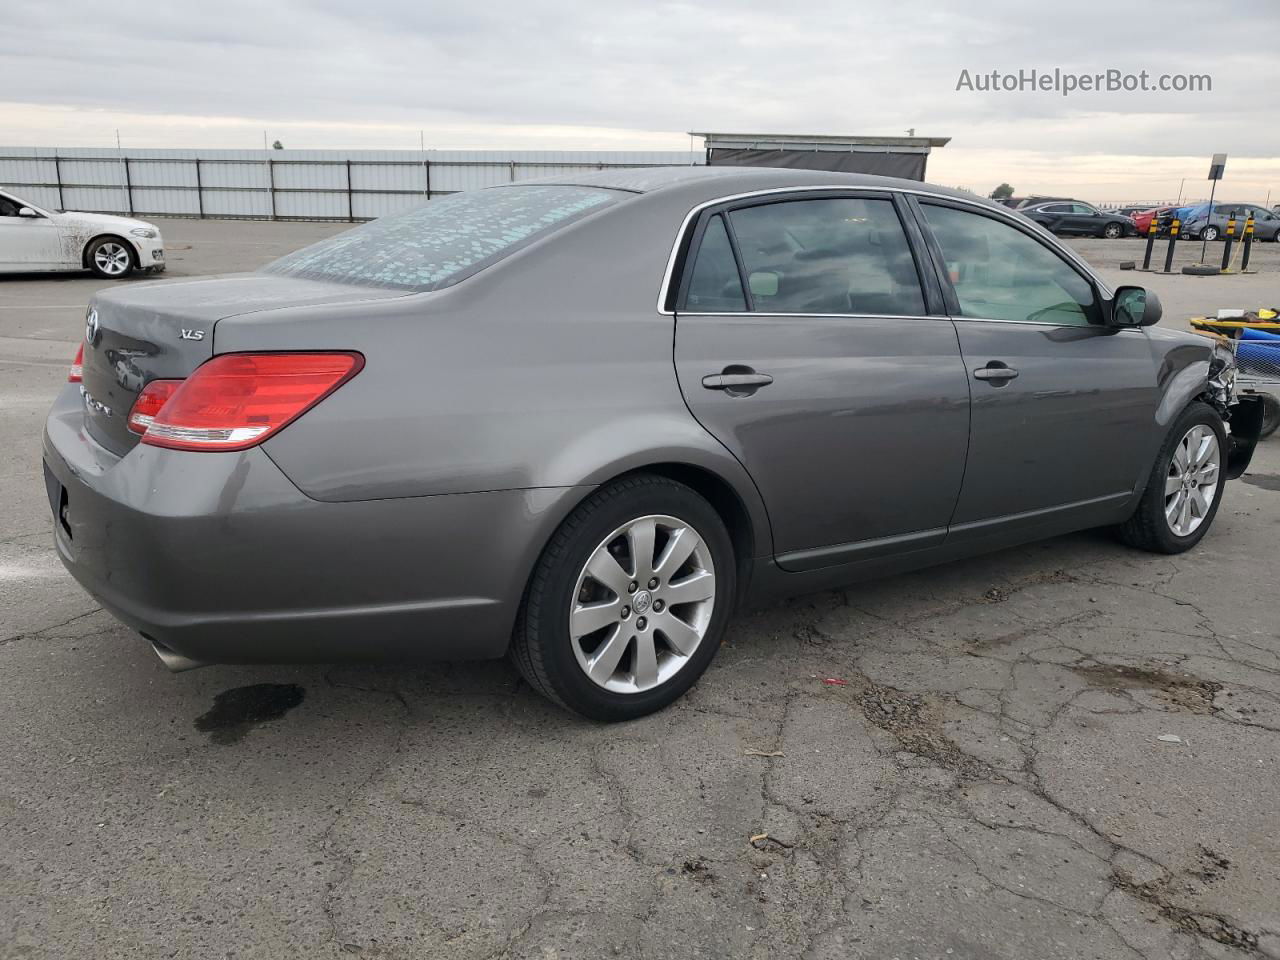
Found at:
[164, 330]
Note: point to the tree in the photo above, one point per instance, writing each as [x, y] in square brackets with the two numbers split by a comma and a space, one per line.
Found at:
[1002, 192]
[277, 145]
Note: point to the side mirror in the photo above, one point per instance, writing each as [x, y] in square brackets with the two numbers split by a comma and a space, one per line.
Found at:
[27, 212]
[1135, 307]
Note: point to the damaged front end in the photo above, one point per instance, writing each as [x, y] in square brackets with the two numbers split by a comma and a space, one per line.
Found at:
[1242, 413]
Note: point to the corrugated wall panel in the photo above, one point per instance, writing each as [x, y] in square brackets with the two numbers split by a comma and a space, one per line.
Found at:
[311, 206]
[369, 206]
[169, 201]
[46, 197]
[95, 199]
[307, 183]
[170, 173]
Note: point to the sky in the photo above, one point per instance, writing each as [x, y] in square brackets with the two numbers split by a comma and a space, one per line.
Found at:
[598, 74]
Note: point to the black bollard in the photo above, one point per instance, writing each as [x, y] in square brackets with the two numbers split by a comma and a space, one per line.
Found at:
[1226, 247]
[1151, 241]
[1248, 243]
[1173, 241]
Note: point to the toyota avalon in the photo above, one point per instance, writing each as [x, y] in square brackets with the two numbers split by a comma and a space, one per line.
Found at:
[579, 422]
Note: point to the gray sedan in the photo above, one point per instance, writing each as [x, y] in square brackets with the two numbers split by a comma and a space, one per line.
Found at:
[579, 422]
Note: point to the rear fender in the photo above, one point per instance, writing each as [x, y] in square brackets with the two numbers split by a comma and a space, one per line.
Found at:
[627, 445]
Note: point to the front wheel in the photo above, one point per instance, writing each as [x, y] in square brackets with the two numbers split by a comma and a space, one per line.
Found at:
[1209, 233]
[628, 602]
[111, 258]
[1113, 231]
[1185, 486]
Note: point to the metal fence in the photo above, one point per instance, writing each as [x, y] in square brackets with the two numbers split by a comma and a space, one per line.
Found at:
[284, 184]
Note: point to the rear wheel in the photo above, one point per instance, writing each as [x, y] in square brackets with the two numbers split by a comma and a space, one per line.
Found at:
[111, 258]
[627, 604]
[1185, 486]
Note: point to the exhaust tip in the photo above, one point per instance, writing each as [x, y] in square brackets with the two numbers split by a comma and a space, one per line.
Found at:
[174, 661]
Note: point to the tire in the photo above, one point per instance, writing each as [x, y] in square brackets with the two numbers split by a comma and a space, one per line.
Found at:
[111, 258]
[556, 663]
[1113, 231]
[1270, 416]
[1209, 233]
[1150, 528]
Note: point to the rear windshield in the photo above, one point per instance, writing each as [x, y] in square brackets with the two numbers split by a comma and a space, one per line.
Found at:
[443, 241]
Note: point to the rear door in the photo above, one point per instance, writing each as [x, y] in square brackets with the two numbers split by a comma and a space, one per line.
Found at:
[805, 345]
[1056, 217]
[1063, 405]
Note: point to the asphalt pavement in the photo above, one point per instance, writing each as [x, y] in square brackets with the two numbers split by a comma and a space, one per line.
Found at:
[1068, 750]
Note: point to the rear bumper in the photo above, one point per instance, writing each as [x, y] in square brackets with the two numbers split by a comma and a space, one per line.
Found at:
[221, 559]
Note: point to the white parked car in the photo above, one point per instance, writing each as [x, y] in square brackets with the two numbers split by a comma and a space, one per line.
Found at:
[33, 238]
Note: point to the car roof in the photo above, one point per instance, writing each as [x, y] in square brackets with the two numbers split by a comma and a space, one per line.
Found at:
[710, 182]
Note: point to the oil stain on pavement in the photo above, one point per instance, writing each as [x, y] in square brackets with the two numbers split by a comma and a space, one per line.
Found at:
[235, 712]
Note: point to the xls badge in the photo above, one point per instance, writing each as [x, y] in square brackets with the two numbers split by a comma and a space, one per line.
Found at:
[96, 406]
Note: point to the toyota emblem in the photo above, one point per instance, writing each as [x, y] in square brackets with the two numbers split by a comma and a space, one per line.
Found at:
[91, 326]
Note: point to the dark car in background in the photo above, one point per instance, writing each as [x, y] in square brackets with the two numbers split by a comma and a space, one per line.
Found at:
[1074, 218]
[579, 421]
[1202, 226]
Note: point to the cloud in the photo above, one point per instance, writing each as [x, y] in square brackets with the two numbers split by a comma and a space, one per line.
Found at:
[470, 74]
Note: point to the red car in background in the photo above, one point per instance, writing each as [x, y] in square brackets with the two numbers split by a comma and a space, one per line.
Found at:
[1142, 219]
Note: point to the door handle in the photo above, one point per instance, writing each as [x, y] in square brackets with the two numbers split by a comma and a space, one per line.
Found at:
[997, 371]
[736, 380]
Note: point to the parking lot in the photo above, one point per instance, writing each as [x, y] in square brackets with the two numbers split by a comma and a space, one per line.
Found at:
[1069, 750]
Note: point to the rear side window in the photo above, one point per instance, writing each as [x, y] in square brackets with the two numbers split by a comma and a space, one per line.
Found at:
[828, 256]
[1000, 273]
[715, 285]
[443, 241]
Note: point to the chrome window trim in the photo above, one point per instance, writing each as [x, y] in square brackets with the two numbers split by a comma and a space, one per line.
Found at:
[1042, 323]
[999, 213]
[813, 316]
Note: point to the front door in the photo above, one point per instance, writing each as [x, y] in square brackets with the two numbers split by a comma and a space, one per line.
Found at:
[1062, 404]
[1085, 220]
[803, 345]
[26, 242]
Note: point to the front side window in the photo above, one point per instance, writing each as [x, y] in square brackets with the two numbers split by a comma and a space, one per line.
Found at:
[1000, 273]
[8, 208]
[827, 256]
[443, 241]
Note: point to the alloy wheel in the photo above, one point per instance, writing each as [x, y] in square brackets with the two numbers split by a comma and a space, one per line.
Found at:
[111, 258]
[642, 604]
[1192, 482]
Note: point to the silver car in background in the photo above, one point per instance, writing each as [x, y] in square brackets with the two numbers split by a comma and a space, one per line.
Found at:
[580, 422]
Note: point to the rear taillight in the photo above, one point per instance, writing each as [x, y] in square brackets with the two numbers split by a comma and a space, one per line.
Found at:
[76, 373]
[150, 401]
[237, 400]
